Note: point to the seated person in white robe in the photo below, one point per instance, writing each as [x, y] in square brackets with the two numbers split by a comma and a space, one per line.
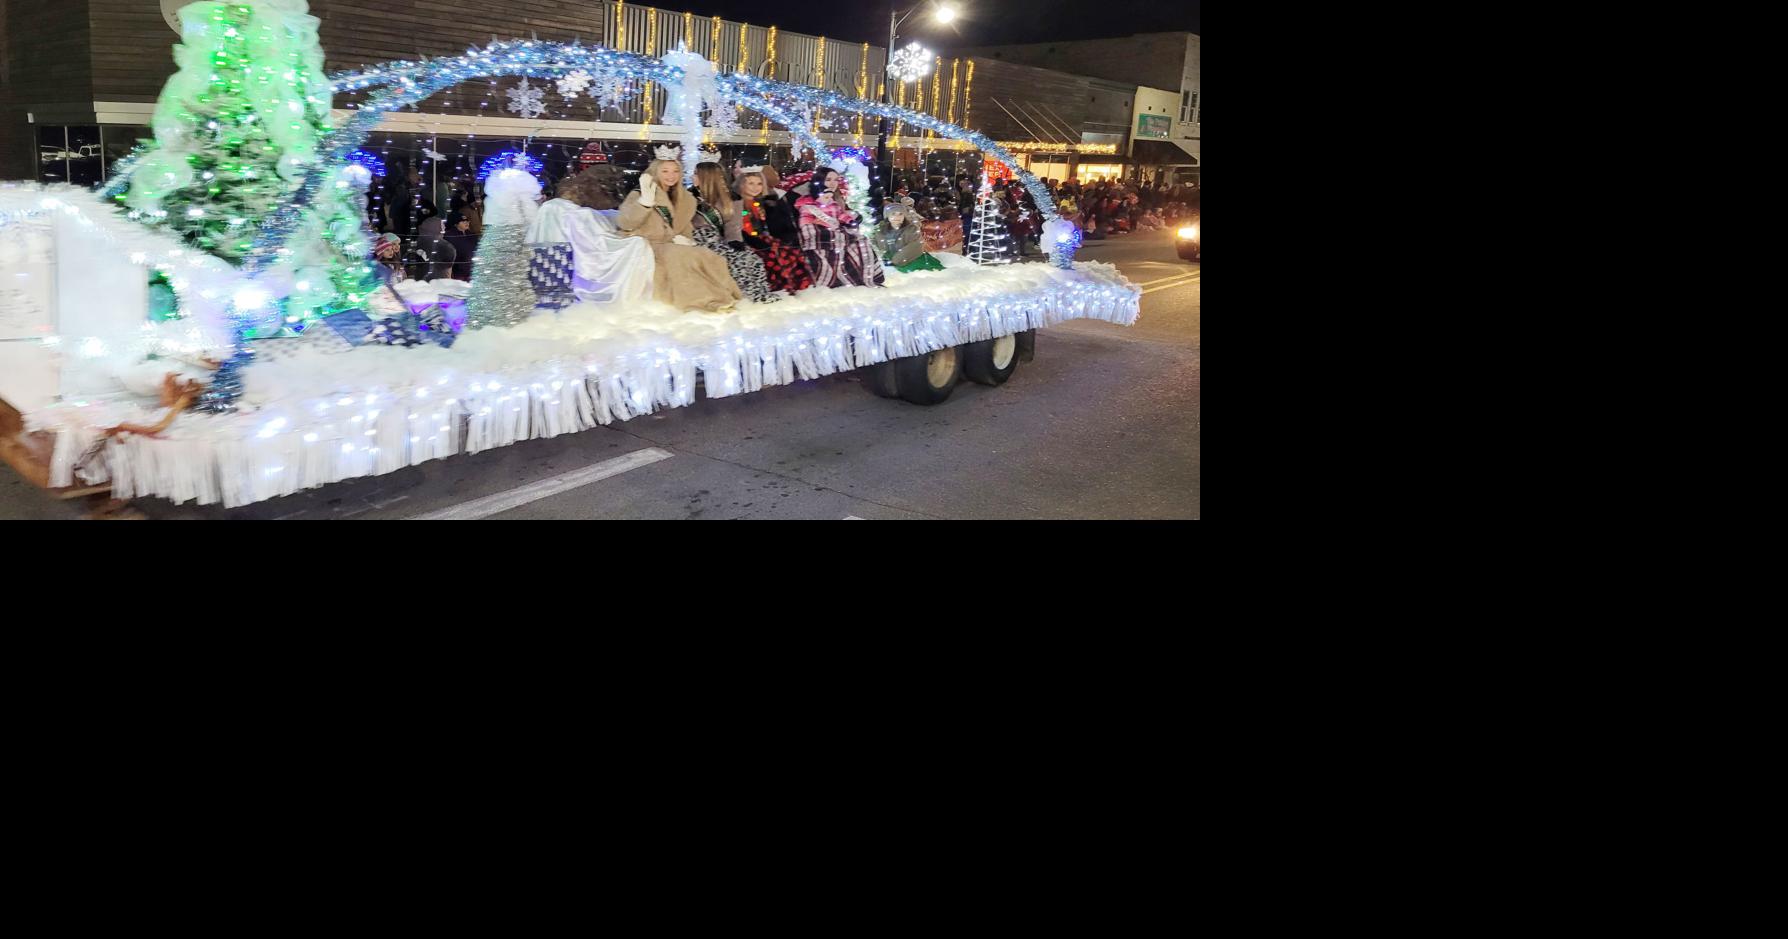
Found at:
[579, 254]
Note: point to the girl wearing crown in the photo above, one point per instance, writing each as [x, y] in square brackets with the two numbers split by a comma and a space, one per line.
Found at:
[757, 223]
[718, 229]
[661, 212]
[835, 248]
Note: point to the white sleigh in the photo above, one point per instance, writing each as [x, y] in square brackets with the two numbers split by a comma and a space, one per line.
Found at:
[70, 295]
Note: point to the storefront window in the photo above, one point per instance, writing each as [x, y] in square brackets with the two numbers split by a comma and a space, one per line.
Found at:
[86, 159]
[1046, 165]
[1095, 171]
[69, 154]
[52, 150]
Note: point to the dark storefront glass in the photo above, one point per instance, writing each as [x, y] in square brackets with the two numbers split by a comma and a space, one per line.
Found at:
[70, 154]
[52, 150]
[86, 159]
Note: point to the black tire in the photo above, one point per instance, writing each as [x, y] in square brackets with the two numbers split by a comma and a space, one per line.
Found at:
[880, 380]
[981, 361]
[915, 375]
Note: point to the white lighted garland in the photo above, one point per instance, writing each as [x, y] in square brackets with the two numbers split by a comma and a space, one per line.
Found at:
[429, 403]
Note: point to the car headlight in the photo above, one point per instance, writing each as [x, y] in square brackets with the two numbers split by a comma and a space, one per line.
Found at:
[1189, 233]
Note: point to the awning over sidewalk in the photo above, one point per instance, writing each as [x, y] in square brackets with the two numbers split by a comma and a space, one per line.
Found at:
[1165, 153]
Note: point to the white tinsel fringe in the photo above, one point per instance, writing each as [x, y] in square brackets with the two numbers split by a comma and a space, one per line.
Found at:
[305, 427]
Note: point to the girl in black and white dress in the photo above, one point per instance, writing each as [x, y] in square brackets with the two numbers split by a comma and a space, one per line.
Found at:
[717, 228]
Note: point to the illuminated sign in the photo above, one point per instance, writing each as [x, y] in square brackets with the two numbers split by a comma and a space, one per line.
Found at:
[1036, 146]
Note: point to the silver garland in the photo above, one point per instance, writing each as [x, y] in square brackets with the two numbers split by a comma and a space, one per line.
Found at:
[501, 293]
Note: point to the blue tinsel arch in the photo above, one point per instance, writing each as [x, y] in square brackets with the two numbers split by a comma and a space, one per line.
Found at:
[400, 84]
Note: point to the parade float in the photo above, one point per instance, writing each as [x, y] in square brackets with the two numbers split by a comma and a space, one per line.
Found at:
[208, 325]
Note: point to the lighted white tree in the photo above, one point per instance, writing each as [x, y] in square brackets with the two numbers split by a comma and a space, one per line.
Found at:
[989, 243]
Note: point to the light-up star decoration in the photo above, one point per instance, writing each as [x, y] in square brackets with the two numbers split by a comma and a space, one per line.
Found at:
[911, 63]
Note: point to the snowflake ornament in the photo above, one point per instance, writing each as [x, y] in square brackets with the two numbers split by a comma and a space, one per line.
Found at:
[574, 84]
[911, 63]
[724, 119]
[526, 100]
[611, 90]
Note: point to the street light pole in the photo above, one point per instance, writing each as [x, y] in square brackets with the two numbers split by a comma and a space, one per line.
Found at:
[884, 167]
[884, 162]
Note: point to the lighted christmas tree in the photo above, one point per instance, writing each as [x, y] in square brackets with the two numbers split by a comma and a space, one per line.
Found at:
[990, 243]
[236, 131]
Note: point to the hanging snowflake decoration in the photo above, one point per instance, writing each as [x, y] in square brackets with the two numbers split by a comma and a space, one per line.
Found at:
[912, 63]
[574, 84]
[611, 90]
[526, 100]
[724, 120]
[803, 113]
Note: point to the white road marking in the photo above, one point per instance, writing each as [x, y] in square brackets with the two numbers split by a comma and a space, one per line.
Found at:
[535, 491]
[853, 518]
[1162, 280]
[1172, 283]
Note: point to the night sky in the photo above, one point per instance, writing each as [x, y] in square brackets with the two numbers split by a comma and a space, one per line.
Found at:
[980, 22]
